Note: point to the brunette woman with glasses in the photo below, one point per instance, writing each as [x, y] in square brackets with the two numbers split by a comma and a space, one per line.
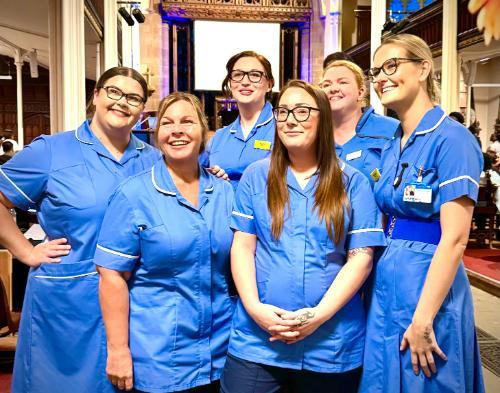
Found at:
[68, 178]
[305, 228]
[420, 329]
[250, 137]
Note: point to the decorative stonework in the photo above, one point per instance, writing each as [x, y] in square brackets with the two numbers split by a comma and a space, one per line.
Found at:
[254, 10]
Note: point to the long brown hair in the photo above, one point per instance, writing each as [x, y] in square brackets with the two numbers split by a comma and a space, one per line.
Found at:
[330, 197]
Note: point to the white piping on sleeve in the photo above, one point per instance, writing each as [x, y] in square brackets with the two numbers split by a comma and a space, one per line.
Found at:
[365, 230]
[16, 187]
[446, 182]
[109, 251]
[248, 216]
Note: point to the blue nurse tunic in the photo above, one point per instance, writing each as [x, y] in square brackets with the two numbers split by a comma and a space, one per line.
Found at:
[68, 179]
[440, 162]
[363, 150]
[180, 308]
[233, 153]
[296, 271]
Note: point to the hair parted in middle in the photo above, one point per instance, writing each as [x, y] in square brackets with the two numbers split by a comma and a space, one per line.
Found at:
[195, 102]
[226, 88]
[330, 198]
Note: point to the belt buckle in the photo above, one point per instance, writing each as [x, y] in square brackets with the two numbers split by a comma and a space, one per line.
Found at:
[392, 224]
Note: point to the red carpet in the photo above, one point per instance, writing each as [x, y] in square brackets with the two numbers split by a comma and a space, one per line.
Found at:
[5, 382]
[484, 261]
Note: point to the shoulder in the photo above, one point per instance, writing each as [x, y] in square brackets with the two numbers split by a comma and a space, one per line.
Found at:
[451, 131]
[353, 178]
[135, 184]
[379, 125]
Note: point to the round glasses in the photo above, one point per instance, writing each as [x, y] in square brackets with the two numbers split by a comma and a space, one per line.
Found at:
[390, 66]
[116, 94]
[254, 76]
[300, 113]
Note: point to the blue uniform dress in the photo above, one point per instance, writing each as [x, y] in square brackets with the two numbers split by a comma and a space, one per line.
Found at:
[440, 162]
[233, 153]
[180, 308]
[363, 150]
[296, 271]
[68, 179]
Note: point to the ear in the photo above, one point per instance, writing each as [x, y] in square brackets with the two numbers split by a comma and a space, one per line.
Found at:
[362, 93]
[425, 70]
[96, 93]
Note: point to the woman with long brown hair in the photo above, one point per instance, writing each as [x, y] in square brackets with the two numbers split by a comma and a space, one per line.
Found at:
[305, 228]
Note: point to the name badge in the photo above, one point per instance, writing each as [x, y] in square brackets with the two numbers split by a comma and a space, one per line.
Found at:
[353, 155]
[417, 193]
[375, 174]
[262, 145]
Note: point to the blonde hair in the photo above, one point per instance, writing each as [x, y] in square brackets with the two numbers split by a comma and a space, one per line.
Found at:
[195, 102]
[359, 75]
[416, 47]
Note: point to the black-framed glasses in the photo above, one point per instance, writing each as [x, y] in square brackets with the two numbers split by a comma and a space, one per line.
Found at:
[390, 66]
[253, 76]
[300, 113]
[116, 94]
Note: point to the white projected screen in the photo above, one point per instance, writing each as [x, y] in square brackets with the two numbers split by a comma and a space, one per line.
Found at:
[216, 42]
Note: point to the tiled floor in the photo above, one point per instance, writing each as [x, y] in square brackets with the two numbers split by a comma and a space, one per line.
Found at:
[487, 311]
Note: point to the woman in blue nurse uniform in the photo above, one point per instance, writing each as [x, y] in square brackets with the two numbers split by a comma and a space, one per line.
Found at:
[360, 133]
[305, 228]
[68, 179]
[167, 232]
[249, 138]
[420, 329]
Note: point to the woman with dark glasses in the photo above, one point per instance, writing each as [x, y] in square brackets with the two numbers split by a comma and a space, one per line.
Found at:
[420, 330]
[250, 137]
[305, 227]
[68, 178]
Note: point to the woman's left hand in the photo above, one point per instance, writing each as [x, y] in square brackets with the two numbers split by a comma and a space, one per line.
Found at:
[422, 342]
[309, 319]
[218, 171]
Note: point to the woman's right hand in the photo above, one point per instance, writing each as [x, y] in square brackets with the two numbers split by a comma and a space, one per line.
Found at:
[267, 316]
[48, 252]
[119, 368]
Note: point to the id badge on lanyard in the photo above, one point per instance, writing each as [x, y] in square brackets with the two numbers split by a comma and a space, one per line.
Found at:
[417, 192]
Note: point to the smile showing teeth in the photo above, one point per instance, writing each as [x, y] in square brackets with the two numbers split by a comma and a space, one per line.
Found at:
[179, 143]
[388, 88]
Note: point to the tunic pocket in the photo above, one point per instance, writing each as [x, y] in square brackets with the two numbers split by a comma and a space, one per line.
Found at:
[152, 345]
[66, 320]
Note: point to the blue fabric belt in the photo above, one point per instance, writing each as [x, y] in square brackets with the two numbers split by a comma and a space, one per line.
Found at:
[426, 231]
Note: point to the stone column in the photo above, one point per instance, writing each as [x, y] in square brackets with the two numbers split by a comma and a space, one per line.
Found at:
[110, 34]
[449, 69]
[67, 64]
[378, 19]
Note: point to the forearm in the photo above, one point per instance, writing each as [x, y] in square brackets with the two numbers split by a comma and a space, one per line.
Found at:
[11, 237]
[348, 281]
[114, 299]
[244, 275]
[440, 276]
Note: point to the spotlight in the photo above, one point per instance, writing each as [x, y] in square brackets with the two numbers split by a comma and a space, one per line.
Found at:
[138, 15]
[126, 16]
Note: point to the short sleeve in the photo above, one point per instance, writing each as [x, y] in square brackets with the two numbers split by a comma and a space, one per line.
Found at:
[242, 217]
[459, 163]
[23, 179]
[118, 245]
[365, 229]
